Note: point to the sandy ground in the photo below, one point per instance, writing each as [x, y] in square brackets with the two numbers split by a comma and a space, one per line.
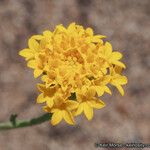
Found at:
[125, 119]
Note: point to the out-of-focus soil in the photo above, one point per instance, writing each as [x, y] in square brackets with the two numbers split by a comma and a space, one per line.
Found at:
[126, 23]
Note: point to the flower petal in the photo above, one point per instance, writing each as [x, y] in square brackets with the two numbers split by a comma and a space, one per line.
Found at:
[49, 101]
[89, 31]
[47, 109]
[119, 80]
[108, 50]
[40, 98]
[98, 104]
[33, 44]
[37, 73]
[56, 117]
[37, 37]
[47, 34]
[120, 89]
[107, 90]
[41, 87]
[99, 90]
[88, 111]
[31, 64]
[91, 92]
[72, 104]
[68, 117]
[118, 63]
[27, 53]
[116, 56]
[79, 110]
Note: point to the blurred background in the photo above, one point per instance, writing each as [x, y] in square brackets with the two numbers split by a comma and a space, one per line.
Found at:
[126, 23]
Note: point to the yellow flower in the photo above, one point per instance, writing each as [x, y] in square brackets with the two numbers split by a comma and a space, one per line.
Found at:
[76, 67]
[48, 94]
[62, 109]
[111, 57]
[29, 53]
[100, 85]
[88, 101]
[118, 80]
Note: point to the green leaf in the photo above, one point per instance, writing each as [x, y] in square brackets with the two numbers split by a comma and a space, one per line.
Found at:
[13, 119]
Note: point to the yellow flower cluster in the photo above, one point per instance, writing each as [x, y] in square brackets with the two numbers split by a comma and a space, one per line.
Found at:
[76, 68]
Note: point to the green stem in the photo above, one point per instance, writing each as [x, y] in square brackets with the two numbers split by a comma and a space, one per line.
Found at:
[25, 123]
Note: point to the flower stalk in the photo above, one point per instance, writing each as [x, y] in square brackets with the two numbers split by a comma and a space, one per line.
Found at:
[14, 123]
